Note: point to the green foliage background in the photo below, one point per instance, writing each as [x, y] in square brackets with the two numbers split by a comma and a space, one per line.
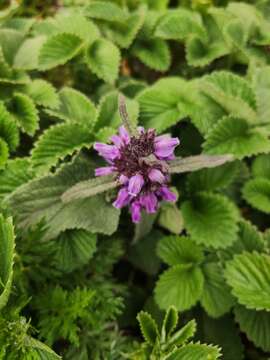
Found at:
[74, 276]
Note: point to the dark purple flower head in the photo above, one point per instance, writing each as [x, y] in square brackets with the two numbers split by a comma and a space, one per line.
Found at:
[139, 163]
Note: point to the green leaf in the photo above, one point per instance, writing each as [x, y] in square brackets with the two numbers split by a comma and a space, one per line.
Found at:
[123, 33]
[7, 245]
[256, 192]
[42, 93]
[180, 24]
[108, 114]
[261, 166]
[261, 84]
[148, 327]
[10, 41]
[184, 334]
[103, 58]
[256, 326]
[249, 238]
[169, 322]
[170, 218]
[16, 173]
[27, 56]
[57, 142]
[76, 24]
[74, 248]
[25, 113]
[222, 331]
[233, 93]
[105, 11]
[176, 250]
[249, 276]
[8, 129]
[213, 179]
[180, 286]
[165, 103]
[58, 49]
[41, 199]
[196, 352]
[216, 298]
[4, 153]
[211, 220]
[141, 254]
[43, 351]
[74, 106]
[199, 53]
[234, 136]
[8, 11]
[154, 53]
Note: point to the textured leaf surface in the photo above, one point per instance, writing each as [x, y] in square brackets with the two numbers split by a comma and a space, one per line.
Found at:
[74, 106]
[196, 352]
[105, 11]
[180, 286]
[261, 83]
[103, 58]
[148, 327]
[8, 129]
[176, 250]
[57, 142]
[234, 136]
[42, 93]
[3, 152]
[41, 199]
[249, 276]
[74, 248]
[211, 220]
[257, 193]
[261, 166]
[6, 255]
[27, 57]
[255, 324]
[59, 49]
[216, 298]
[24, 111]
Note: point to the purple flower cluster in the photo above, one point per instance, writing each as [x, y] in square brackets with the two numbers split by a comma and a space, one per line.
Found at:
[140, 165]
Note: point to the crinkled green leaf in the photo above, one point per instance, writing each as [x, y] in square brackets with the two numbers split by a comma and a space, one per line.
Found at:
[180, 24]
[213, 179]
[154, 53]
[8, 129]
[74, 248]
[184, 334]
[261, 166]
[261, 84]
[59, 49]
[7, 258]
[41, 199]
[10, 41]
[4, 153]
[234, 136]
[248, 274]
[43, 93]
[232, 92]
[176, 250]
[105, 11]
[170, 218]
[256, 326]
[103, 58]
[74, 106]
[16, 173]
[180, 286]
[216, 298]
[257, 193]
[25, 113]
[57, 142]
[211, 220]
[169, 323]
[165, 103]
[28, 53]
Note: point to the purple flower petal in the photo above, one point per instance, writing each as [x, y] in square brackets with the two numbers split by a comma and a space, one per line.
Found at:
[122, 198]
[166, 194]
[156, 175]
[123, 179]
[164, 146]
[102, 171]
[135, 211]
[135, 184]
[109, 152]
[149, 202]
[118, 142]
[124, 135]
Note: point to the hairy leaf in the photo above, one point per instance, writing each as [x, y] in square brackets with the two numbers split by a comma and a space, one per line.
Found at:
[148, 327]
[257, 193]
